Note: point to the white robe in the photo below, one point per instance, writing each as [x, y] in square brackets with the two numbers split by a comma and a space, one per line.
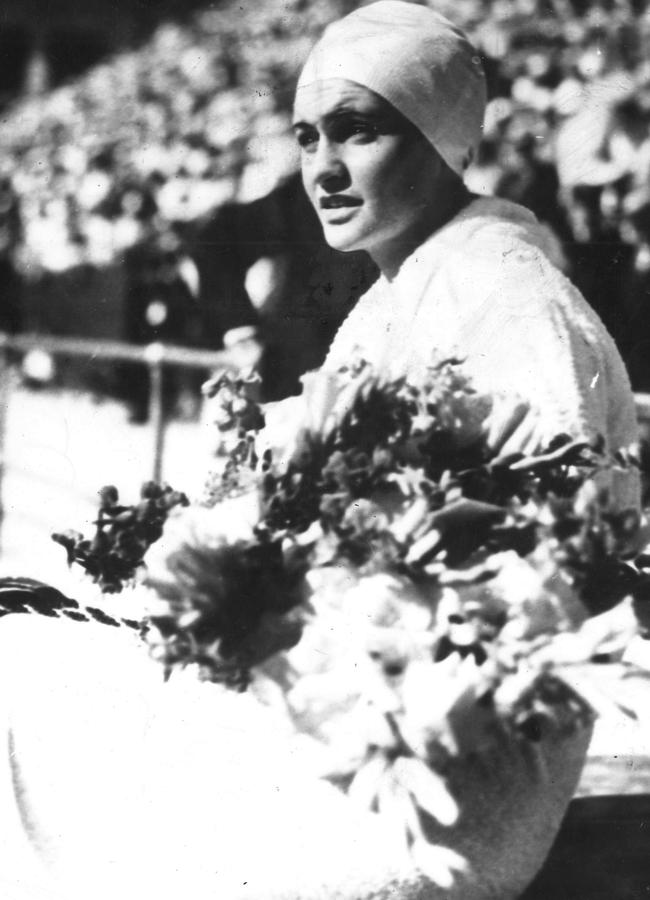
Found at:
[484, 290]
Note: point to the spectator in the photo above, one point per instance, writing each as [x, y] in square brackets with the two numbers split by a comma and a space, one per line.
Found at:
[161, 306]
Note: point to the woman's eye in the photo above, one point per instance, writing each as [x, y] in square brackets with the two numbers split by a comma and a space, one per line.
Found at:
[306, 139]
[362, 130]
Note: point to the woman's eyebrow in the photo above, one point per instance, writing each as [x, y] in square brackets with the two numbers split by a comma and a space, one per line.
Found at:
[341, 110]
[348, 112]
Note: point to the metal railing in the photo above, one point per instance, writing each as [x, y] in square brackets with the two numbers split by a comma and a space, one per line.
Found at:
[155, 357]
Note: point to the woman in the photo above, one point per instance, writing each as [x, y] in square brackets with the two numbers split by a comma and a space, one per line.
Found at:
[388, 114]
[115, 783]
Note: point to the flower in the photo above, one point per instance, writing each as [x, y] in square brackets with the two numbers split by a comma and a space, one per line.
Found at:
[228, 599]
[123, 534]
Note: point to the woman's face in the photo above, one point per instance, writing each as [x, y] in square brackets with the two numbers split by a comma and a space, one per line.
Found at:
[370, 174]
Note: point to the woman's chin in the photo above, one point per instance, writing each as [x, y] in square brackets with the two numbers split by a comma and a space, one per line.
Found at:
[341, 239]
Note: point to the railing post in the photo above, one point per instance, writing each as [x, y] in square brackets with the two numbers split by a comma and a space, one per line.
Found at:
[5, 375]
[155, 357]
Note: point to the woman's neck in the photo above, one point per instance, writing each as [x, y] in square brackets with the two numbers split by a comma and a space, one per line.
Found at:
[448, 204]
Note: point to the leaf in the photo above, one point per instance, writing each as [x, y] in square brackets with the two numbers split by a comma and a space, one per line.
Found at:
[569, 454]
[466, 513]
[424, 548]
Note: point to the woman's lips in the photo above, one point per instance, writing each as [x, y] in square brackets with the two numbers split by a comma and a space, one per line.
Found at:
[338, 209]
[338, 201]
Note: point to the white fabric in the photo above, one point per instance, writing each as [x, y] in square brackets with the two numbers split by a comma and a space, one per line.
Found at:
[418, 61]
[115, 784]
[482, 289]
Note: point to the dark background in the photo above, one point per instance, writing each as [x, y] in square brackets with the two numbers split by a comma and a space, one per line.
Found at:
[74, 35]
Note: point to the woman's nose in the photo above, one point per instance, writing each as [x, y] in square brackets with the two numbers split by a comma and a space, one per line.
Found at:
[329, 171]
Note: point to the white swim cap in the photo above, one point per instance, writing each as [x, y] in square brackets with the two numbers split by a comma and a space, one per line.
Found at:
[416, 60]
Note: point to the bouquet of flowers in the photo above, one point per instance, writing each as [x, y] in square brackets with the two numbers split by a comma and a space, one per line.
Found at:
[384, 478]
[398, 590]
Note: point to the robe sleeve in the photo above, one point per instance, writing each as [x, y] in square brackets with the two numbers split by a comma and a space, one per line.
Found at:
[530, 338]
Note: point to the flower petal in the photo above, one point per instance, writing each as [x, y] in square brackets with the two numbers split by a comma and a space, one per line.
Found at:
[365, 785]
[438, 863]
[428, 789]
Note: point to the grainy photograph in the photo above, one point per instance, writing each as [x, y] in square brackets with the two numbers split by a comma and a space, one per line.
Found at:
[325, 450]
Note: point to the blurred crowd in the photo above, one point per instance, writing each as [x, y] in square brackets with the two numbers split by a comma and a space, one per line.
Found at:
[151, 138]
[567, 133]
[135, 158]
